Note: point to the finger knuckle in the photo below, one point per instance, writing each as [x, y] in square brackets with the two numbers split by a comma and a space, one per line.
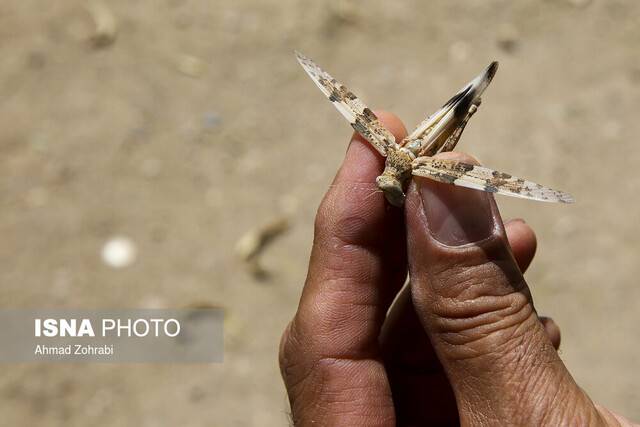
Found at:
[344, 224]
[478, 310]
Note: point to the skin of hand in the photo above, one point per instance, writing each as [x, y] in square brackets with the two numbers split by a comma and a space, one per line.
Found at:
[463, 345]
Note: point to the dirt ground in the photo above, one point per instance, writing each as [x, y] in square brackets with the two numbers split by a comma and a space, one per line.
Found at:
[196, 124]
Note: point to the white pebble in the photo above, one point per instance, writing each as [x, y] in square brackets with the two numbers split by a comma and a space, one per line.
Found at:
[119, 252]
[191, 66]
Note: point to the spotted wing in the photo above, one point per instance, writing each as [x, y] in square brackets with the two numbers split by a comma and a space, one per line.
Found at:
[481, 178]
[359, 115]
[449, 121]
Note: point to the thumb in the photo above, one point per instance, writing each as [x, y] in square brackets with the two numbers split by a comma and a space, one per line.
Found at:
[477, 310]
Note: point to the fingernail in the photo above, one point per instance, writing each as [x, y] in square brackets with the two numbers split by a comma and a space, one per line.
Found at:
[456, 216]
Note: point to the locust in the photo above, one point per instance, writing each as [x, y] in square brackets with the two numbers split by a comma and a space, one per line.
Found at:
[440, 132]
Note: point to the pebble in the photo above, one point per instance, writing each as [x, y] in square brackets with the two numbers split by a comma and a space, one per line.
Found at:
[508, 39]
[191, 66]
[106, 26]
[119, 252]
[211, 120]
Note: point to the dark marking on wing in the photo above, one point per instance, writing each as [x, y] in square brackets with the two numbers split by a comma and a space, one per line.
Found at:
[353, 109]
[360, 128]
[368, 114]
[481, 178]
[462, 108]
[457, 97]
[458, 167]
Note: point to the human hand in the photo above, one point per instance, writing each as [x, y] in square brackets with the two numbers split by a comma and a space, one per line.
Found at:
[462, 345]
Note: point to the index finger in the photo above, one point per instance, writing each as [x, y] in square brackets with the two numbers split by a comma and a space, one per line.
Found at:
[329, 354]
[357, 256]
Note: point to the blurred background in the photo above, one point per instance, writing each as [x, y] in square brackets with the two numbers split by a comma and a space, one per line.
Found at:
[147, 146]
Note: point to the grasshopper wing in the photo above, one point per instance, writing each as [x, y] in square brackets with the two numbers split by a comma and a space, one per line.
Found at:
[359, 115]
[484, 179]
[447, 124]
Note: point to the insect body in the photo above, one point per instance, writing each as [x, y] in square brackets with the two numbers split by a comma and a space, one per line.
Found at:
[440, 132]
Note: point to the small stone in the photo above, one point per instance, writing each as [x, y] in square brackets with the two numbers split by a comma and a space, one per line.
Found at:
[253, 243]
[106, 26]
[119, 252]
[508, 39]
[191, 66]
[211, 120]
